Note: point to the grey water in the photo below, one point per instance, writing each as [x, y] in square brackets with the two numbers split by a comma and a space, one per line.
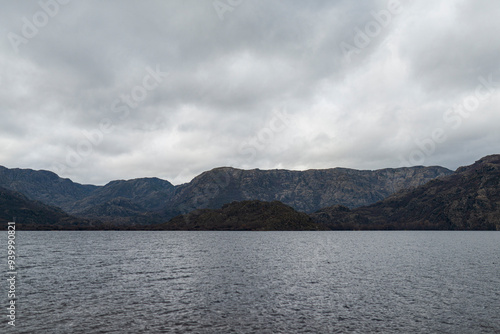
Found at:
[255, 282]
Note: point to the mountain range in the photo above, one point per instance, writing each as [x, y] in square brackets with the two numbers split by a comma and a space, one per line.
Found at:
[152, 200]
[336, 198]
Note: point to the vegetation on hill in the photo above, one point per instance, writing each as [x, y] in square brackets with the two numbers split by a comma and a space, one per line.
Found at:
[247, 216]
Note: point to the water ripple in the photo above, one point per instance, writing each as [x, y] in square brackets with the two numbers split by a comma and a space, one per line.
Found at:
[258, 282]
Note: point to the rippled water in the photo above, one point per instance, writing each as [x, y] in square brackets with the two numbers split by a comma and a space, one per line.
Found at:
[257, 282]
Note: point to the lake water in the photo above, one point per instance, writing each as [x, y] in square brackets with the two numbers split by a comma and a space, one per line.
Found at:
[256, 282]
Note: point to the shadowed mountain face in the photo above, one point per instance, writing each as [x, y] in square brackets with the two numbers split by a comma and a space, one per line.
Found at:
[244, 216]
[31, 214]
[152, 200]
[125, 198]
[469, 199]
[44, 186]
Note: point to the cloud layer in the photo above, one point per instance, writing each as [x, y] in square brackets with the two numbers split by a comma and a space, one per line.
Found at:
[97, 91]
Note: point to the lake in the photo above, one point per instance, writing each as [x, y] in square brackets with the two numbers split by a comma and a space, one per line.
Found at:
[255, 282]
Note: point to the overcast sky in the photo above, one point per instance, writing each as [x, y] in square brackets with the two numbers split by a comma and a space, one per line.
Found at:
[104, 90]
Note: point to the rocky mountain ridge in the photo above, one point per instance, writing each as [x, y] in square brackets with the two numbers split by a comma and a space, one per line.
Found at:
[305, 191]
[152, 200]
[469, 199]
[44, 186]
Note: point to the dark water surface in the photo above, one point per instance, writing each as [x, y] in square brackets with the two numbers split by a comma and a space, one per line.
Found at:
[256, 282]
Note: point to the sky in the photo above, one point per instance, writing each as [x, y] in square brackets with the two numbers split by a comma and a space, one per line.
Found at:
[103, 90]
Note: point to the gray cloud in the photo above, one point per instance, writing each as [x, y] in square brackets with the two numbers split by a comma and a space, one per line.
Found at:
[271, 85]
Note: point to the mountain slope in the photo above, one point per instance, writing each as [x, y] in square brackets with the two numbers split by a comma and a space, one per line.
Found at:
[152, 200]
[137, 196]
[469, 199]
[305, 191]
[245, 215]
[35, 215]
[44, 186]
[144, 194]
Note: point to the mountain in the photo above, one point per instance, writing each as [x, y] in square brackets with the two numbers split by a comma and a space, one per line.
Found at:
[402, 198]
[469, 199]
[305, 191]
[245, 216]
[116, 199]
[136, 196]
[152, 200]
[44, 186]
[35, 215]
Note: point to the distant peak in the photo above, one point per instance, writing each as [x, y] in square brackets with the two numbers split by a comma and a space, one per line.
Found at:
[139, 180]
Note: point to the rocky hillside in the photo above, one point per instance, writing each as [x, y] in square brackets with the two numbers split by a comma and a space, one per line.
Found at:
[305, 191]
[35, 215]
[138, 195]
[244, 216]
[469, 199]
[122, 198]
[152, 200]
[422, 198]
[44, 186]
